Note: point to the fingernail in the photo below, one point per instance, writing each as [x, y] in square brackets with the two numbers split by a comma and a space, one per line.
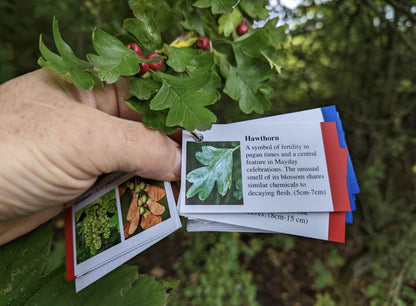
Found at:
[178, 161]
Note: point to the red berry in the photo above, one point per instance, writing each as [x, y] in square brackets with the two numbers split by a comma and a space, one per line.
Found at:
[144, 67]
[135, 47]
[203, 43]
[242, 29]
[155, 65]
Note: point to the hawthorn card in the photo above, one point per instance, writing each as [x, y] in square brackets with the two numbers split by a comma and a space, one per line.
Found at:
[120, 214]
[325, 226]
[274, 167]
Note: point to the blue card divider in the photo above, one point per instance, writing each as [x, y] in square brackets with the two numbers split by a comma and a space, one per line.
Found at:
[331, 114]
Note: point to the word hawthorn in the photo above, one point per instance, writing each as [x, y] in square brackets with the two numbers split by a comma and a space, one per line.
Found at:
[180, 80]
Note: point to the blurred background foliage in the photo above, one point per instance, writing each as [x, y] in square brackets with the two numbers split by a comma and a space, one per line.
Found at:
[357, 54]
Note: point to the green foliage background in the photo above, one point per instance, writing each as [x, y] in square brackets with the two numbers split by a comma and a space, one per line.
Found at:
[359, 55]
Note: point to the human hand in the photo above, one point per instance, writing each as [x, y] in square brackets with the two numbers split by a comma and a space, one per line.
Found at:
[56, 139]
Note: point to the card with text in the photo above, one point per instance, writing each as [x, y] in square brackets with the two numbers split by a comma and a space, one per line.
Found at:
[258, 167]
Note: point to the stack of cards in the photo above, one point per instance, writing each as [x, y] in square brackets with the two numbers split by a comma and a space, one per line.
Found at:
[119, 217]
[282, 174]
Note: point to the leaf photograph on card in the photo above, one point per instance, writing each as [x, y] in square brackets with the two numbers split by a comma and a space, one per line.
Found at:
[143, 205]
[213, 173]
[97, 227]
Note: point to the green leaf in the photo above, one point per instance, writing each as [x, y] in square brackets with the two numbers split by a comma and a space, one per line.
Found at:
[255, 9]
[113, 59]
[193, 22]
[25, 263]
[120, 287]
[243, 85]
[165, 16]
[217, 6]
[323, 277]
[189, 59]
[277, 35]
[248, 47]
[153, 119]
[144, 27]
[229, 22]
[218, 167]
[67, 65]
[56, 258]
[186, 99]
[22, 263]
[142, 88]
[274, 57]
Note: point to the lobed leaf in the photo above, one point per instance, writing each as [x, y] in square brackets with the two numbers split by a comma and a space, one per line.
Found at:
[255, 9]
[243, 85]
[144, 28]
[218, 167]
[193, 22]
[66, 64]
[217, 6]
[113, 59]
[153, 119]
[189, 59]
[228, 22]
[142, 88]
[186, 99]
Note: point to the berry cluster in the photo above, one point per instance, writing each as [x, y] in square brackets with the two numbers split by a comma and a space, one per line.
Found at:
[144, 67]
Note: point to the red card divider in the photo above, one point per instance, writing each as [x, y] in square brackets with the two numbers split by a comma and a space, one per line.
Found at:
[69, 245]
[336, 161]
[336, 229]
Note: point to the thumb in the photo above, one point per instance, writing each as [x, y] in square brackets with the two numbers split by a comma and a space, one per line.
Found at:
[115, 144]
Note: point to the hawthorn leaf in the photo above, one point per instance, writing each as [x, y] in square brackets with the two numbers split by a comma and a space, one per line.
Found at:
[255, 9]
[189, 59]
[243, 84]
[142, 88]
[274, 57]
[187, 98]
[164, 14]
[153, 119]
[217, 6]
[185, 40]
[277, 35]
[266, 89]
[144, 27]
[113, 59]
[223, 63]
[228, 22]
[66, 64]
[218, 168]
[193, 22]
[248, 47]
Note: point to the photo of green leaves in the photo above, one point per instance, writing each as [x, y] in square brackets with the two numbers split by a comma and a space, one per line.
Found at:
[97, 226]
[213, 173]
